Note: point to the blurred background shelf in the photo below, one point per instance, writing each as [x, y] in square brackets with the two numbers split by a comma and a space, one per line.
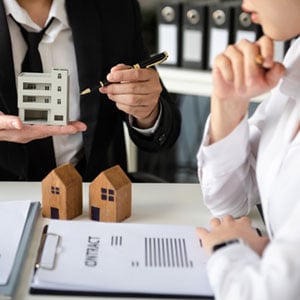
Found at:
[190, 82]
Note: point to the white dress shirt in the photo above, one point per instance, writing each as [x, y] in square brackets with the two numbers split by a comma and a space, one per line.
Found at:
[57, 51]
[260, 159]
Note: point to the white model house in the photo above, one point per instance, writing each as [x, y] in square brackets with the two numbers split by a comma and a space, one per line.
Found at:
[43, 97]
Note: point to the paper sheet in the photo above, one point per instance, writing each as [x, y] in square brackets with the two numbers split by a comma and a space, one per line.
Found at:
[13, 216]
[125, 258]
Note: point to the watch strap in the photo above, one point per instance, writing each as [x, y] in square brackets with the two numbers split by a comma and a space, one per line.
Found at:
[226, 243]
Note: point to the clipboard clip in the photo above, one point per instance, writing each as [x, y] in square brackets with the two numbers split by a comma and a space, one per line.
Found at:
[47, 251]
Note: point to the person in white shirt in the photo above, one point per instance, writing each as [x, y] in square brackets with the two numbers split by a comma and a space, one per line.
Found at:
[242, 162]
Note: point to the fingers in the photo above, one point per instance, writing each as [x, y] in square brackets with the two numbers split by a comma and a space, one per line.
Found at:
[137, 94]
[236, 72]
[228, 220]
[215, 222]
[71, 128]
[33, 132]
[125, 74]
[42, 131]
[274, 75]
[9, 122]
[266, 50]
[202, 232]
[138, 85]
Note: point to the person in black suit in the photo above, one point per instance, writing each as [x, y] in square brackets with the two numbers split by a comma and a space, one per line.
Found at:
[91, 39]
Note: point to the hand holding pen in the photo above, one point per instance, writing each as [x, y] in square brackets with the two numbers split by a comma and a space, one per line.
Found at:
[136, 90]
[148, 63]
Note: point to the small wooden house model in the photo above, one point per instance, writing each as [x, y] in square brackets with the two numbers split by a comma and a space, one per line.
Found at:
[110, 196]
[62, 193]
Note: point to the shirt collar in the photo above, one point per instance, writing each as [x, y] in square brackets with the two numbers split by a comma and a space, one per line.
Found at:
[290, 84]
[57, 11]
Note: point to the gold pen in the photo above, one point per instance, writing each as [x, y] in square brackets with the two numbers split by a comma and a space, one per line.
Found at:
[148, 63]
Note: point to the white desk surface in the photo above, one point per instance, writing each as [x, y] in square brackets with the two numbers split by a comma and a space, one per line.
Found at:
[179, 204]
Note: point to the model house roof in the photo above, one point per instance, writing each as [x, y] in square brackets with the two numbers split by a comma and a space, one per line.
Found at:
[66, 173]
[116, 177]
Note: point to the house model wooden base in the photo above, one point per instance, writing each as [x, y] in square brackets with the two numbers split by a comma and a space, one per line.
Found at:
[62, 193]
[110, 196]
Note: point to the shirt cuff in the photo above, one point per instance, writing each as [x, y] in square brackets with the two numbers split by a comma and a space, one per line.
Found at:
[227, 263]
[148, 131]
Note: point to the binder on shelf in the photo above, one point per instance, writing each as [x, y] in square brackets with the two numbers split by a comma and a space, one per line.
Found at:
[244, 28]
[221, 16]
[194, 34]
[169, 30]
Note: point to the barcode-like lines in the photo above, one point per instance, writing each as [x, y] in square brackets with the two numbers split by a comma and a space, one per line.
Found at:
[166, 252]
[116, 241]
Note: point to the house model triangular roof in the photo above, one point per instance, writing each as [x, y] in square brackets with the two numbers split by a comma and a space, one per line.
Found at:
[66, 174]
[116, 176]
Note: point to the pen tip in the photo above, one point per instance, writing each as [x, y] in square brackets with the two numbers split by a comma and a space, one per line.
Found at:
[86, 91]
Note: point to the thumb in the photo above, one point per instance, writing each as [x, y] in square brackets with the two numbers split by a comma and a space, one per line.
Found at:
[201, 232]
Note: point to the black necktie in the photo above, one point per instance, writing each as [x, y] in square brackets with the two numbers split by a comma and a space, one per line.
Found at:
[32, 61]
[41, 158]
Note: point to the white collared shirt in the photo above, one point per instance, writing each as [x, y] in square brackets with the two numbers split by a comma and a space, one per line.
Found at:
[259, 159]
[57, 51]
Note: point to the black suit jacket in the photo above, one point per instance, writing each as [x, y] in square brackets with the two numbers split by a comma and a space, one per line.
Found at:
[105, 33]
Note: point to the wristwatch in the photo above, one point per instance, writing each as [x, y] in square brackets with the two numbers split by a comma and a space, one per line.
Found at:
[226, 243]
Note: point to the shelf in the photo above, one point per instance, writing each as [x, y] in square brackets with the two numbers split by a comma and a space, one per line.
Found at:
[190, 82]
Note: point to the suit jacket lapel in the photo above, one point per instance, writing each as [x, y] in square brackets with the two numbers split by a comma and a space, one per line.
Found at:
[8, 95]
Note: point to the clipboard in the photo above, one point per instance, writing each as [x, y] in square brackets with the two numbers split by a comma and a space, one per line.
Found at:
[7, 291]
[133, 260]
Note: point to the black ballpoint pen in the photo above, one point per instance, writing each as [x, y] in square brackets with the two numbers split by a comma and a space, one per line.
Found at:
[148, 63]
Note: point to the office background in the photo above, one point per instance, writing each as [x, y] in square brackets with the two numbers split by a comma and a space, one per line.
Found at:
[179, 163]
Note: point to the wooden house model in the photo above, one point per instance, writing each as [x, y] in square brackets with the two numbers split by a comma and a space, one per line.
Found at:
[62, 193]
[110, 196]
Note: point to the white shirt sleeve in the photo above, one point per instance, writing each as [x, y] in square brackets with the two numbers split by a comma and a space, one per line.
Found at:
[227, 180]
[237, 272]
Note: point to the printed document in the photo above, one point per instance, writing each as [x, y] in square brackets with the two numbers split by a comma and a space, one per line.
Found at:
[13, 216]
[122, 258]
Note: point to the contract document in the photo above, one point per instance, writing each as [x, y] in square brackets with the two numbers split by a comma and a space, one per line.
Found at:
[88, 257]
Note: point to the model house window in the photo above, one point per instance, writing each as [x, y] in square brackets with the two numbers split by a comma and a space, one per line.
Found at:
[58, 101]
[58, 118]
[103, 194]
[59, 75]
[29, 98]
[54, 190]
[47, 100]
[59, 88]
[47, 87]
[111, 195]
[107, 194]
[29, 86]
